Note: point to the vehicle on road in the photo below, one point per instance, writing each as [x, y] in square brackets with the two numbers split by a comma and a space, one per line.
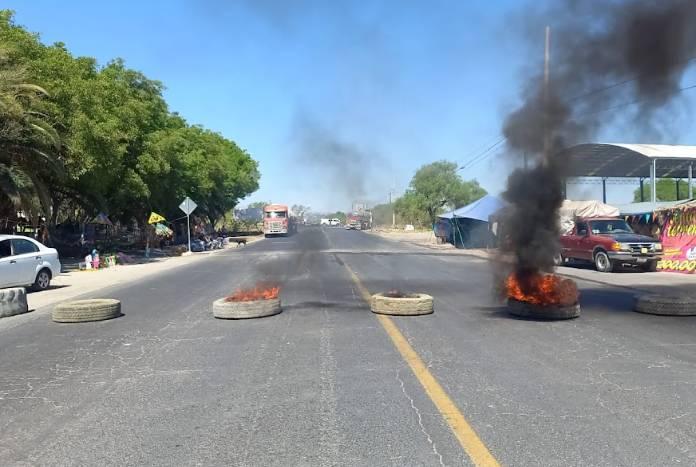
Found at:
[276, 220]
[608, 242]
[25, 262]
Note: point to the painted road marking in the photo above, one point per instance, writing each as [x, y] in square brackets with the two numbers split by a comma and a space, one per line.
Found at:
[467, 437]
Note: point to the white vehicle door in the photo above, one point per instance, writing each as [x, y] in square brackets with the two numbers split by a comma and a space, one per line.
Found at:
[9, 271]
[27, 257]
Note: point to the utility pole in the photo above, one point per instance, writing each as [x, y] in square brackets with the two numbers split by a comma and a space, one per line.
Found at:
[392, 210]
[547, 136]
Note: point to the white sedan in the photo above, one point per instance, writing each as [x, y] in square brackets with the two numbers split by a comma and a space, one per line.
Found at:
[24, 262]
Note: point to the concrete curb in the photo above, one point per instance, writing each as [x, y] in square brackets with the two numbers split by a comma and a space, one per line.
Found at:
[13, 301]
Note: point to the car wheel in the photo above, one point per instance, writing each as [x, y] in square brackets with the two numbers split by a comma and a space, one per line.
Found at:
[43, 280]
[650, 266]
[602, 262]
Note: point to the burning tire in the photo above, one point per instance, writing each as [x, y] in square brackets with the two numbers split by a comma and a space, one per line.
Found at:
[666, 305]
[551, 312]
[80, 311]
[406, 305]
[225, 309]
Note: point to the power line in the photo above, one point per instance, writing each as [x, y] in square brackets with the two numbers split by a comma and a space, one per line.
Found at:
[482, 155]
[620, 83]
[637, 101]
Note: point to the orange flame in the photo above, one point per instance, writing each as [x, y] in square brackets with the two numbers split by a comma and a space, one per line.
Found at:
[542, 289]
[257, 293]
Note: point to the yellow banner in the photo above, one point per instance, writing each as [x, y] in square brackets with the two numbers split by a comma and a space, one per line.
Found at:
[155, 218]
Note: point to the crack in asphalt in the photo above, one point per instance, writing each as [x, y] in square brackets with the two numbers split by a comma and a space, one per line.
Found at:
[420, 419]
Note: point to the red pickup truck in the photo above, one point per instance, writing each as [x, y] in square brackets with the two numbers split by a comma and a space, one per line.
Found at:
[607, 242]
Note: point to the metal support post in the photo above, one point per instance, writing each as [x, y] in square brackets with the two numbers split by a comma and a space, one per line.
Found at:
[604, 190]
[653, 181]
[188, 231]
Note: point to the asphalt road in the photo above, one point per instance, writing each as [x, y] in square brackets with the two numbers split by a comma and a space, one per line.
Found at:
[322, 383]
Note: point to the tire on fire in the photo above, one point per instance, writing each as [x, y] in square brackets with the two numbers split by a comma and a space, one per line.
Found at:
[224, 309]
[79, 311]
[409, 305]
[675, 305]
[551, 312]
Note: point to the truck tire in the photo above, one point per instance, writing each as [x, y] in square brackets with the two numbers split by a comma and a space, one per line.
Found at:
[413, 305]
[650, 266]
[522, 309]
[666, 305]
[243, 310]
[602, 261]
[80, 311]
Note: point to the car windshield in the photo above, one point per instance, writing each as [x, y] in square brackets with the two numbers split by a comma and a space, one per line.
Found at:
[610, 226]
[275, 214]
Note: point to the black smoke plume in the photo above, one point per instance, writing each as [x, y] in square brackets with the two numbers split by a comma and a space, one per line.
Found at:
[610, 61]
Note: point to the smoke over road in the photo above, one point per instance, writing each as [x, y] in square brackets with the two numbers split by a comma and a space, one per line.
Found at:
[342, 168]
[604, 54]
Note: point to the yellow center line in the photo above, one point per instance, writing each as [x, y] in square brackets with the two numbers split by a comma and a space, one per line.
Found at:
[465, 434]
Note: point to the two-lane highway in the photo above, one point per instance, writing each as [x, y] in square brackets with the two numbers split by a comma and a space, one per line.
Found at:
[323, 384]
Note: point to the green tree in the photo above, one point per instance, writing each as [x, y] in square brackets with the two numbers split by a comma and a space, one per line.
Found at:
[29, 144]
[382, 214]
[665, 190]
[433, 188]
[259, 204]
[300, 210]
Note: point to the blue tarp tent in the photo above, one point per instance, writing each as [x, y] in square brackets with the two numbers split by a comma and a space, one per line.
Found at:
[467, 227]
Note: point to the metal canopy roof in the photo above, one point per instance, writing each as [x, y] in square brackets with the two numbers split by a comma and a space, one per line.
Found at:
[629, 160]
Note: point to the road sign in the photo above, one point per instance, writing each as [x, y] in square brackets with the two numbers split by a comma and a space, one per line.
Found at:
[188, 206]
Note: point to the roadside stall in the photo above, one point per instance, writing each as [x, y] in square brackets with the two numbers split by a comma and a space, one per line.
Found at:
[571, 210]
[678, 237]
[468, 226]
[643, 218]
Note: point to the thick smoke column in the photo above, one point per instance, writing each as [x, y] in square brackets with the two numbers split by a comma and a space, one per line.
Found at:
[604, 54]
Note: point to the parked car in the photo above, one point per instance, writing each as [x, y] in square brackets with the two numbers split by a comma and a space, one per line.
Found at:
[24, 262]
[607, 242]
[197, 245]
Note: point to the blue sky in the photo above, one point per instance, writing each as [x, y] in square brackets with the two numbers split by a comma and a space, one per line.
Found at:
[394, 87]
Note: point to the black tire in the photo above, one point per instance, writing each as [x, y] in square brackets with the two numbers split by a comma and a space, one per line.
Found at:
[666, 305]
[551, 312]
[418, 304]
[42, 281]
[243, 310]
[80, 311]
[602, 262]
[650, 266]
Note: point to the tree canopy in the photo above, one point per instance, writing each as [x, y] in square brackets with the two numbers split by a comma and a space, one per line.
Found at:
[665, 190]
[435, 187]
[84, 138]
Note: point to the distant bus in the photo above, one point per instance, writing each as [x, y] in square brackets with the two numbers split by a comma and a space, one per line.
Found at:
[276, 220]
